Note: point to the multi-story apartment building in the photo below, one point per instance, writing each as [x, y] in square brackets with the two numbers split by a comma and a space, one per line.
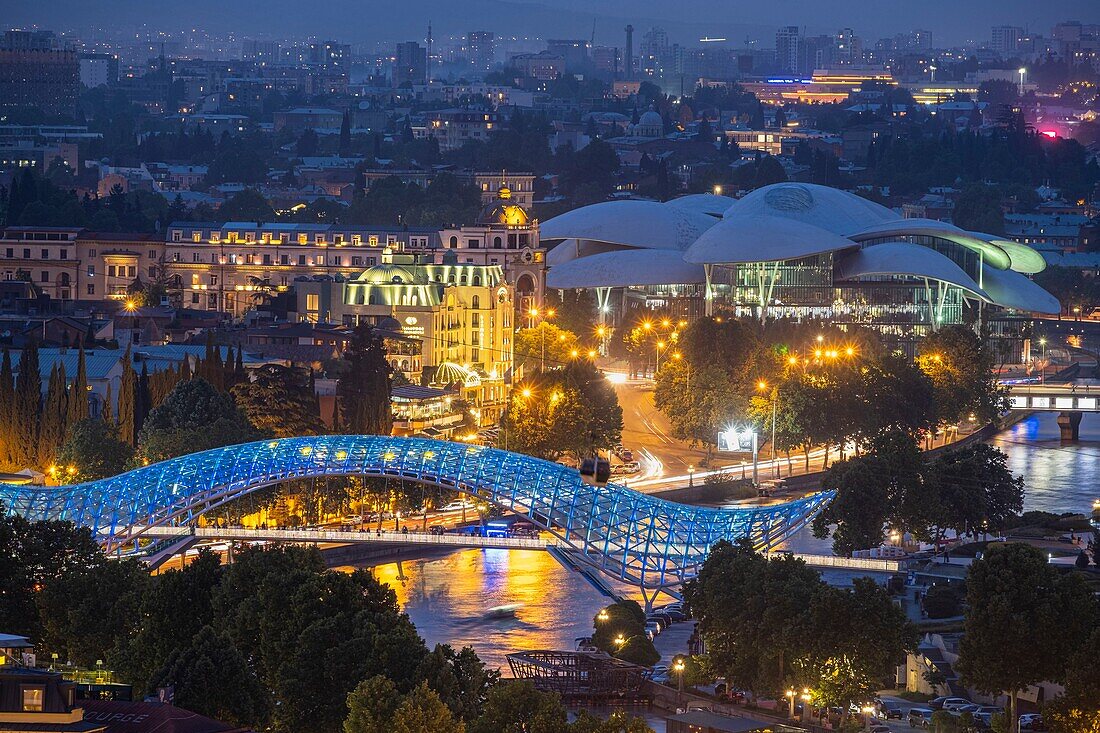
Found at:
[454, 127]
[46, 256]
[36, 70]
[521, 185]
[233, 266]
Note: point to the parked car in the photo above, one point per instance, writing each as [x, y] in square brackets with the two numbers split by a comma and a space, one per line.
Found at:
[920, 717]
[940, 703]
[888, 710]
[955, 704]
[1032, 721]
[437, 529]
[654, 627]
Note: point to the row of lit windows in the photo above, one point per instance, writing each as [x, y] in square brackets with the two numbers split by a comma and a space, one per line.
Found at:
[215, 237]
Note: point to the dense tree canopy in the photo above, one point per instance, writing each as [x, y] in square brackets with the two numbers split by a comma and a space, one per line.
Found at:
[194, 417]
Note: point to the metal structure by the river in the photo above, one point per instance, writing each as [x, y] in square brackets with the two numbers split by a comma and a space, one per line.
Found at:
[640, 539]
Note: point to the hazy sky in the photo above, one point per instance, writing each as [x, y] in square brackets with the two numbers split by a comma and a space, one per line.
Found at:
[951, 21]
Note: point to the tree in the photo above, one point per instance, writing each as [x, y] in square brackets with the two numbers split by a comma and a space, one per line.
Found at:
[423, 712]
[28, 395]
[1076, 711]
[51, 431]
[127, 400]
[345, 133]
[363, 391]
[195, 417]
[545, 346]
[973, 489]
[94, 450]
[459, 678]
[978, 209]
[371, 706]
[1014, 596]
[212, 678]
[638, 649]
[278, 401]
[78, 394]
[246, 205]
[768, 171]
[90, 613]
[961, 370]
[516, 706]
[9, 413]
[942, 601]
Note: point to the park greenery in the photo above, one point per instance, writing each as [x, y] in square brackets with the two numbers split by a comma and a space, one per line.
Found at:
[619, 630]
[273, 641]
[568, 411]
[1027, 622]
[771, 625]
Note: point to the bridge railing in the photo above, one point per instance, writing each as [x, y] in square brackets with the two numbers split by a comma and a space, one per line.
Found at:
[844, 563]
[343, 537]
[1057, 401]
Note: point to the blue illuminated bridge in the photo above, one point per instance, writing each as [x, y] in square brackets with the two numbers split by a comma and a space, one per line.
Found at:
[642, 540]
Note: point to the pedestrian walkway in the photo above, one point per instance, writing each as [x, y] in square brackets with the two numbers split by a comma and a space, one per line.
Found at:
[673, 641]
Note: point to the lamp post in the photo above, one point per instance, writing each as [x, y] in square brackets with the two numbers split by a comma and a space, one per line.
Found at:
[1043, 363]
[1022, 71]
[790, 699]
[762, 385]
[678, 666]
[660, 345]
[691, 476]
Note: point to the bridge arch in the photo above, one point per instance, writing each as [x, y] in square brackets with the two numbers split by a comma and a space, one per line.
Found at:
[639, 539]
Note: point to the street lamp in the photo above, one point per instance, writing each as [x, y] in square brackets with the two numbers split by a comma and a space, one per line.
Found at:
[1043, 362]
[790, 700]
[660, 345]
[678, 667]
[602, 616]
[620, 640]
[717, 189]
[691, 475]
[1021, 71]
[762, 385]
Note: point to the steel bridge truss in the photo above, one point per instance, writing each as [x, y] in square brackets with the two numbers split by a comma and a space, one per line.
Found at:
[639, 539]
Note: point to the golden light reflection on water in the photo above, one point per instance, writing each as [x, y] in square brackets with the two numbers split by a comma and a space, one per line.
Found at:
[448, 597]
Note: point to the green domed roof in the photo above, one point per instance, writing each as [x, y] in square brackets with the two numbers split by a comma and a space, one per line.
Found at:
[390, 274]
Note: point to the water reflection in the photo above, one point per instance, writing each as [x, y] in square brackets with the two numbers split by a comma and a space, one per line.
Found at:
[1058, 477]
[448, 597]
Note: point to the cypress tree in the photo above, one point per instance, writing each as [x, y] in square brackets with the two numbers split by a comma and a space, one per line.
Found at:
[51, 433]
[127, 395]
[228, 376]
[238, 366]
[108, 406]
[28, 396]
[7, 411]
[142, 400]
[78, 396]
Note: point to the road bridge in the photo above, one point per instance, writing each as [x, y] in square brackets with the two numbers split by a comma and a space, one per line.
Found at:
[1071, 400]
[638, 539]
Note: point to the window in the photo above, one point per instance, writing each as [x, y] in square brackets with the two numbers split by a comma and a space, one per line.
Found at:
[303, 239]
[91, 270]
[63, 254]
[213, 279]
[338, 239]
[45, 254]
[91, 289]
[319, 260]
[45, 276]
[475, 303]
[319, 238]
[477, 281]
[33, 699]
[498, 243]
[10, 252]
[356, 261]
[152, 271]
[357, 239]
[454, 242]
[177, 235]
[267, 259]
[152, 254]
[284, 259]
[196, 258]
[196, 236]
[91, 253]
[473, 243]
[26, 254]
[313, 302]
[194, 298]
[110, 270]
[373, 241]
[249, 237]
[132, 271]
[301, 259]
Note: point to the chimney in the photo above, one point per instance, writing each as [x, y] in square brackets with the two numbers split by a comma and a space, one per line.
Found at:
[628, 62]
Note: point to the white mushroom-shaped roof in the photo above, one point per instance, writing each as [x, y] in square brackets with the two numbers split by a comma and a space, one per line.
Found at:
[638, 224]
[903, 258]
[759, 238]
[702, 203]
[827, 208]
[991, 254]
[1013, 290]
[625, 268]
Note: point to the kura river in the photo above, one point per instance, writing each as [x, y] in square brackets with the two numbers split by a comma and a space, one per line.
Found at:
[447, 597]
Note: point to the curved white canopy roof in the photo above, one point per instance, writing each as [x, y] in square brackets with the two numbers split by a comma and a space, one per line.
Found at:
[574, 249]
[1000, 253]
[1013, 290]
[625, 268]
[641, 224]
[903, 258]
[828, 208]
[702, 203]
[759, 238]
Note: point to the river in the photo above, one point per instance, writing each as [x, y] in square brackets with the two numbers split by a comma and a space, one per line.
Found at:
[447, 597]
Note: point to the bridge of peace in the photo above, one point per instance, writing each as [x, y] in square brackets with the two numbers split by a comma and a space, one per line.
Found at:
[640, 540]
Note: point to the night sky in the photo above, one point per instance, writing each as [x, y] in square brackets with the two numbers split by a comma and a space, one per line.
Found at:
[951, 21]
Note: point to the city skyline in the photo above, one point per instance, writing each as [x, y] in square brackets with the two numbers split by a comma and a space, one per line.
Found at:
[950, 24]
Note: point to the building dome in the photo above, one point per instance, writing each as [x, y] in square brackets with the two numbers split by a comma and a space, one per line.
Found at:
[504, 210]
[651, 118]
[388, 273]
